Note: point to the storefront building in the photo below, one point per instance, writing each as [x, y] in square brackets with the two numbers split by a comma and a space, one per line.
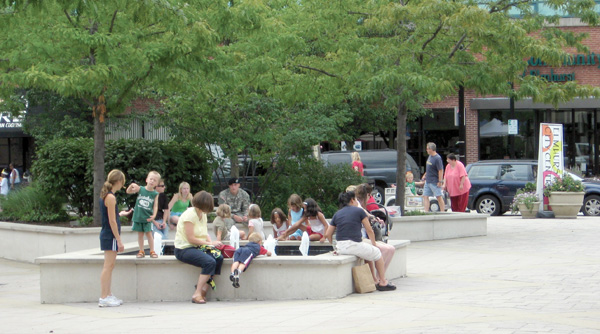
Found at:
[487, 119]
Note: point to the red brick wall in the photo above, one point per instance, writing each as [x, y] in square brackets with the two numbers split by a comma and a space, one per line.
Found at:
[588, 75]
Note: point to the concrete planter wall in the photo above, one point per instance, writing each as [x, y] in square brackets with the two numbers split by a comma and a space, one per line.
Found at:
[75, 277]
[23, 242]
[439, 226]
[565, 205]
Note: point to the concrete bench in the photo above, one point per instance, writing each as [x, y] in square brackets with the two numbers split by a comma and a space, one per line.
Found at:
[75, 277]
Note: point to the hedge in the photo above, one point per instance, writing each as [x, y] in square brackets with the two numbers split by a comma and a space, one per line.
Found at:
[64, 167]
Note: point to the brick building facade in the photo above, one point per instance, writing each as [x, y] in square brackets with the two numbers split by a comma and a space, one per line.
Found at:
[580, 117]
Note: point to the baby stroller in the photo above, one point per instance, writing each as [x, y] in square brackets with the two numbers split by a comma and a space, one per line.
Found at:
[381, 223]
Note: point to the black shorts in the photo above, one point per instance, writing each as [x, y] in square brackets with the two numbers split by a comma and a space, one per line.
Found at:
[109, 244]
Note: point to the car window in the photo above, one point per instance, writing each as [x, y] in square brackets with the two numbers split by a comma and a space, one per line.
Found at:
[483, 172]
[516, 173]
[339, 159]
[383, 159]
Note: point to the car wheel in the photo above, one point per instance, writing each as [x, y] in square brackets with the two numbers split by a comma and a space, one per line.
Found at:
[488, 204]
[434, 206]
[378, 195]
[391, 202]
[591, 205]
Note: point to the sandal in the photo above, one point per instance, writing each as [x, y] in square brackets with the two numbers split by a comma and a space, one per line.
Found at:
[198, 301]
[153, 254]
[140, 254]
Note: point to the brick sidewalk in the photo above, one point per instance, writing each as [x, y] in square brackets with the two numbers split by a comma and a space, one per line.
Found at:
[526, 276]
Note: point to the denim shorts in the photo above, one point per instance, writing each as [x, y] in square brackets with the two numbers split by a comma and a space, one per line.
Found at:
[164, 232]
[431, 189]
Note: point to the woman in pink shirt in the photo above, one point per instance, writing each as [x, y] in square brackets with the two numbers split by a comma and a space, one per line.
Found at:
[456, 182]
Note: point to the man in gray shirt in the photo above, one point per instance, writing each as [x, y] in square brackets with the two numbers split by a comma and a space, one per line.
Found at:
[434, 174]
[238, 199]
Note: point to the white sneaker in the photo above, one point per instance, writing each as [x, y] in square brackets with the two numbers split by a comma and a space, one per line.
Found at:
[108, 302]
[117, 299]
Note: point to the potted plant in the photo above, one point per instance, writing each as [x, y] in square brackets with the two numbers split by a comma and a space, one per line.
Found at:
[565, 196]
[526, 201]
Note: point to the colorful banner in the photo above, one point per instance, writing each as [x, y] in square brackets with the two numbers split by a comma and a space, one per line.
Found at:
[550, 157]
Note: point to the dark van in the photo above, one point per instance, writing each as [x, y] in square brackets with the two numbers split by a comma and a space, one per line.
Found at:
[380, 167]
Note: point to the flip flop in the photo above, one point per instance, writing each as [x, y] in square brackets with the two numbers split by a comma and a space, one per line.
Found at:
[140, 254]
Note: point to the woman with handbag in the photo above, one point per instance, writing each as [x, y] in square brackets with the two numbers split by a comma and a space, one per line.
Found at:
[348, 222]
[194, 246]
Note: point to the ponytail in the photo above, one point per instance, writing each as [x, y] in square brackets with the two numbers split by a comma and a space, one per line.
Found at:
[113, 177]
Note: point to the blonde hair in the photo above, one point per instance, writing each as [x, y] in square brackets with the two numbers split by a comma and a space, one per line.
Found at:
[255, 237]
[296, 200]
[113, 177]
[350, 188]
[355, 156]
[155, 173]
[254, 211]
[181, 185]
[224, 211]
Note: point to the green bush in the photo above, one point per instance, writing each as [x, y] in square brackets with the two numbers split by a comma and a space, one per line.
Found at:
[32, 204]
[64, 167]
[308, 178]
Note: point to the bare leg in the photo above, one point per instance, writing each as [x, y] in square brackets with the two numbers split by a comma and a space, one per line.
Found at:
[387, 253]
[150, 238]
[200, 287]
[314, 237]
[110, 258]
[372, 267]
[381, 272]
[141, 241]
[441, 203]
[426, 203]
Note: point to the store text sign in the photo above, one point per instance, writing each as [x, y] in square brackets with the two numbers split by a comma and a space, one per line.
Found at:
[592, 59]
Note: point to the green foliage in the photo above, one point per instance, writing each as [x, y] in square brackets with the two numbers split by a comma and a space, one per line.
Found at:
[33, 204]
[526, 197]
[418, 213]
[64, 167]
[52, 116]
[565, 184]
[306, 177]
[529, 187]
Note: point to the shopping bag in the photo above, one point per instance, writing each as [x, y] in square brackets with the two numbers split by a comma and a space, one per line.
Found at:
[158, 244]
[363, 279]
[270, 244]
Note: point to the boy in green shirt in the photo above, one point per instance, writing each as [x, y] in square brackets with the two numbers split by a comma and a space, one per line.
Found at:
[146, 207]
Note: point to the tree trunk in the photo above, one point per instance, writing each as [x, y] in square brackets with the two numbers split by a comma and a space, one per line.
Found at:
[99, 150]
[401, 149]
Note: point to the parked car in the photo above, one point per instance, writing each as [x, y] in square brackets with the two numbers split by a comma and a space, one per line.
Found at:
[380, 167]
[494, 184]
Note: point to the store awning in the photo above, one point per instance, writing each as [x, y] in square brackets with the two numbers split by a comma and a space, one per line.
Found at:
[503, 103]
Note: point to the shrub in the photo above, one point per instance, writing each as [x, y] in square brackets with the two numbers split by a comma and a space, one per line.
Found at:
[306, 177]
[32, 204]
[64, 167]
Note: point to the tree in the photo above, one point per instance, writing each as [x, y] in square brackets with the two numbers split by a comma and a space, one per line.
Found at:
[403, 54]
[104, 53]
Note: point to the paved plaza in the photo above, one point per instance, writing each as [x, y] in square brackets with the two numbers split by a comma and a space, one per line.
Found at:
[525, 276]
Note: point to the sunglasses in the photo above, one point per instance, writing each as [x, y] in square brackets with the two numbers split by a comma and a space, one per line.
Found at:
[161, 186]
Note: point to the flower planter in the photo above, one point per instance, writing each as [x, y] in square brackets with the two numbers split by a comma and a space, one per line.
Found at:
[566, 205]
[527, 213]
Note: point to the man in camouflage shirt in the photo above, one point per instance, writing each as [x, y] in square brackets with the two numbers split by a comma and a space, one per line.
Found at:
[238, 199]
